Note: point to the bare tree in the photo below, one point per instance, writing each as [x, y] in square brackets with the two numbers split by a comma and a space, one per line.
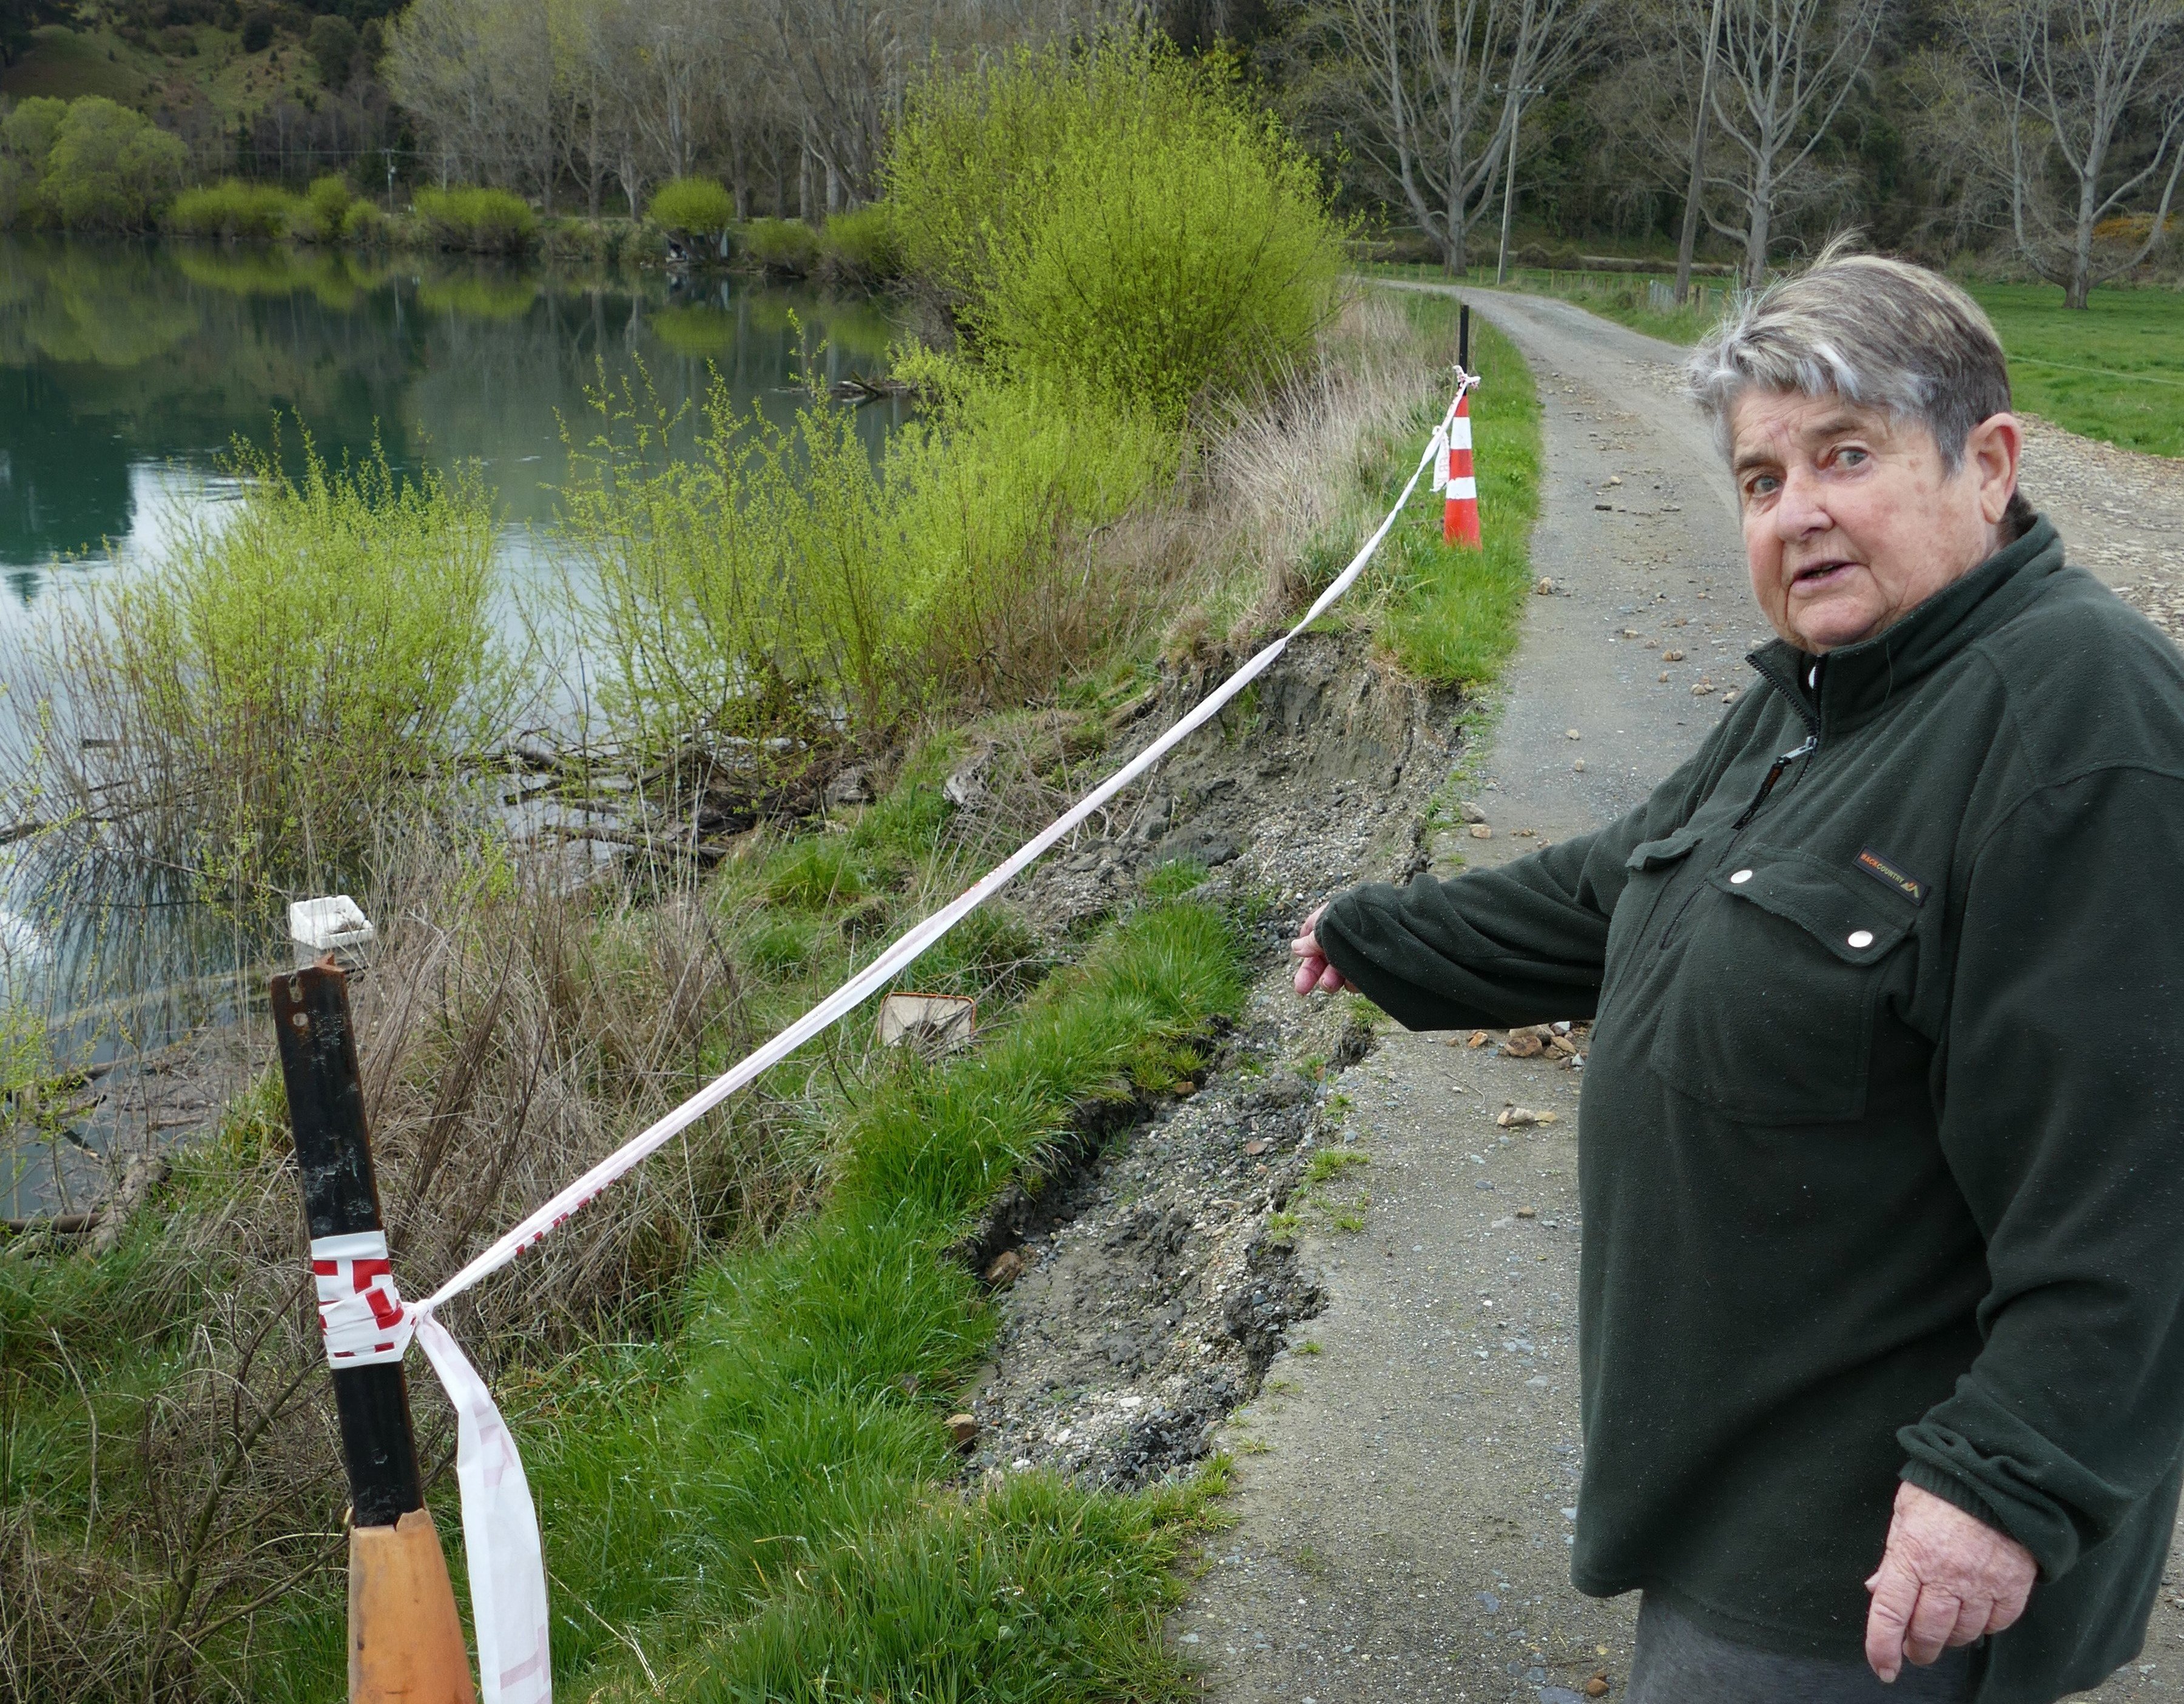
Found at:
[2092, 95]
[1427, 94]
[1781, 73]
[478, 76]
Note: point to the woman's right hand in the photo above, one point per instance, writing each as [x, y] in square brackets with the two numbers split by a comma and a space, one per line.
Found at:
[1313, 972]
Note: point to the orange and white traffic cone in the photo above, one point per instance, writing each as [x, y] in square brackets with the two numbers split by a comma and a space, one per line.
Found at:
[1460, 519]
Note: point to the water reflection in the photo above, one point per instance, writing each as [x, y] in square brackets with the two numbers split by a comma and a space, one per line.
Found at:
[119, 360]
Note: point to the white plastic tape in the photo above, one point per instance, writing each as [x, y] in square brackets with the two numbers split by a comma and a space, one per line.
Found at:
[360, 1312]
[500, 1526]
[1437, 456]
[500, 1534]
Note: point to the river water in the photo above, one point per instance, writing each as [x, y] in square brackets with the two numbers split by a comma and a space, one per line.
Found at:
[128, 369]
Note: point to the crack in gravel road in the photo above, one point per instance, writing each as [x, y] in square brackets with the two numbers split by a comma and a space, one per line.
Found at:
[1407, 1474]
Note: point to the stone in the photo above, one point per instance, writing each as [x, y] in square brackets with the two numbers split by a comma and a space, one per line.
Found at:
[852, 786]
[1523, 1044]
[1257, 1145]
[1732, 695]
[1572, 733]
[1479, 831]
[1664, 674]
[1007, 1267]
[1578, 768]
[1597, 1686]
[964, 1429]
[1544, 589]
[1478, 1038]
[1523, 1118]
[1672, 656]
[1468, 812]
[1528, 1212]
[1604, 506]
[1703, 689]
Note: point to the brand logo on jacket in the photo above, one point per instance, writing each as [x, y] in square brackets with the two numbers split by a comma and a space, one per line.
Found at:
[1882, 869]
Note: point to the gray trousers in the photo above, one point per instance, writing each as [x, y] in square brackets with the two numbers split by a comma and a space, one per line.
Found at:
[1678, 1661]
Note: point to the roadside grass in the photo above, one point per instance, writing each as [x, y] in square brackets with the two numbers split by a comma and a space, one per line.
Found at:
[761, 1509]
[1454, 615]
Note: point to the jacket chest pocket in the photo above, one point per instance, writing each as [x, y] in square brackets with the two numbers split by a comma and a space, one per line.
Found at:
[1768, 1013]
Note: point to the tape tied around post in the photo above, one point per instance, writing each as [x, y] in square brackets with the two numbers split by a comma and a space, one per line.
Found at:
[361, 1313]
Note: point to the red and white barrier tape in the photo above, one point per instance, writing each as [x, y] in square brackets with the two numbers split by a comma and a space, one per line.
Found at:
[500, 1526]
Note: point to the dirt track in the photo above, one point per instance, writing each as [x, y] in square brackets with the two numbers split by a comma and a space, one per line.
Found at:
[1405, 1490]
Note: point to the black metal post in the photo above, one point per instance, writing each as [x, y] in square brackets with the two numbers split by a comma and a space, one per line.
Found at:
[341, 1197]
[1463, 336]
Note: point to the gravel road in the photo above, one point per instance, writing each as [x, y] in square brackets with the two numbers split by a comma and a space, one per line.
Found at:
[1406, 1477]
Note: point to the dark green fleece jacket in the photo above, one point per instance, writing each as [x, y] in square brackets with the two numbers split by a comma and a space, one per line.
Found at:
[1880, 1153]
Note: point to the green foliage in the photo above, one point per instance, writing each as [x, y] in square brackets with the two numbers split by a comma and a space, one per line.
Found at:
[234, 211]
[478, 221]
[87, 164]
[1176, 878]
[363, 226]
[858, 248]
[324, 211]
[874, 589]
[785, 246]
[1119, 219]
[696, 206]
[333, 45]
[296, 665]
[1455, 612]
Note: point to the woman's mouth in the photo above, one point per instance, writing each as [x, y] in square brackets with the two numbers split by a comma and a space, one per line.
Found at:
[1820, 576]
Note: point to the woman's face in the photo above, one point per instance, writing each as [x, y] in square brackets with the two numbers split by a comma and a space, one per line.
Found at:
[1851, 522]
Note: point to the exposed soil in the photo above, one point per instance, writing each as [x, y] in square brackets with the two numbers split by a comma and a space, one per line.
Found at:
[1146, 1292]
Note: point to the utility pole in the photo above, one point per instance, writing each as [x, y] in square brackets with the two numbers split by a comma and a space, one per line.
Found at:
[405, 1642]
[1509, 187]
[1689, 239]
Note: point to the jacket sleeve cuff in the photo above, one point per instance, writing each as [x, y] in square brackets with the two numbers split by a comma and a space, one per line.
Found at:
[1954, 1492]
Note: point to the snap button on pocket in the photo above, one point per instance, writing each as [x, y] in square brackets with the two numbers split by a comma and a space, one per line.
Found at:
[1859, 938]
[1742, 877]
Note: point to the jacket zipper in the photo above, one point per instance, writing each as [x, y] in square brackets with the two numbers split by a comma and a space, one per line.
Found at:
[1773, 774]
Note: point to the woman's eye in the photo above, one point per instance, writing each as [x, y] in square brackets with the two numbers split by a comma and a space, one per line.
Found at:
[1850, 456]
[1761, 485]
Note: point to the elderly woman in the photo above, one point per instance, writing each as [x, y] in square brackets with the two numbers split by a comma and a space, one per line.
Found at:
[1882, 1293]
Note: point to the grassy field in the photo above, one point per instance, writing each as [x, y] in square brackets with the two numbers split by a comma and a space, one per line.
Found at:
[2114, 372]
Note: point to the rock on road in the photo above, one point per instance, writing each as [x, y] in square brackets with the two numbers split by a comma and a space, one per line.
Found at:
[1405, 1481]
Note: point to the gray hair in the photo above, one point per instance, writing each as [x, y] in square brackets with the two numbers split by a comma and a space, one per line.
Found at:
[1877, 332]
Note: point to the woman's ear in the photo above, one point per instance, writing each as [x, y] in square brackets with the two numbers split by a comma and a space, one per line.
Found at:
[1991, 456]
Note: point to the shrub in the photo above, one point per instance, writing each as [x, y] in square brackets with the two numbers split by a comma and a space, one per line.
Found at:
[87, 165]
[291, 670]
[365, 226]
[1118, 218]
[693, 206]
[257, 32]
[787, 246]
[233, 212]
[110, 169]
[859, 248]
[179, 42]
[482, 221]
[319, 215]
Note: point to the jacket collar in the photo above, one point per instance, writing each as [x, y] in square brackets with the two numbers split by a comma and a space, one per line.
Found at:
[1856, 682]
